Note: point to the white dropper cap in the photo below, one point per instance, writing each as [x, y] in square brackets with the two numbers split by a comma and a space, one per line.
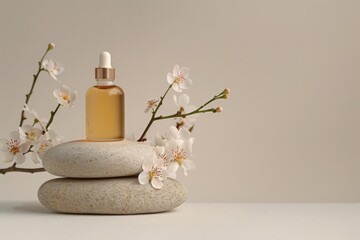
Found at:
[105, 71]
[105, 60]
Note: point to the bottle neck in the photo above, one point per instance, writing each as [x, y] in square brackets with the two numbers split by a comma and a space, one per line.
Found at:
[105, 82]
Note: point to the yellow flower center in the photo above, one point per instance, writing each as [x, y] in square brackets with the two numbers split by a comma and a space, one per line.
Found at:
[179, 78]
[31, 135]
[179, 155]
[155, 172]
[43, 147]
[13, 146]
[66, 97]
[15, 149]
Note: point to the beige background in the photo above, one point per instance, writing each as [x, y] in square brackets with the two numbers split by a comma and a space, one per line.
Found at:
[290, 131]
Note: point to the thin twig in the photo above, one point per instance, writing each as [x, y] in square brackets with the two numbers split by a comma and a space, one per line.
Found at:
[52, 116]
[13, 168]
[27, 96]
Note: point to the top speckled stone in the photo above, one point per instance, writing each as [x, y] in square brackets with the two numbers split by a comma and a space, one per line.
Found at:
[81, 159]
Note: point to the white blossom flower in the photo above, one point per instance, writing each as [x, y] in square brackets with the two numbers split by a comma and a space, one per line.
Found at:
[153, 172]
[151, 104]
[182, 102]
[178, 153]
[183, 135]
[39, 150]
[34, 114]
[13, 149]
[29, 134]
[179, 78]
[52, 67]
[53, 136]
[172, 133]
[65, 96]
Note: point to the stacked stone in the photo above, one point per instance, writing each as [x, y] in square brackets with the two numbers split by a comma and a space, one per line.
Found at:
[101, 178]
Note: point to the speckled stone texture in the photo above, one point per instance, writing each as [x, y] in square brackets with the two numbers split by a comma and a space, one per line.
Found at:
[81, 159]
[110, 196]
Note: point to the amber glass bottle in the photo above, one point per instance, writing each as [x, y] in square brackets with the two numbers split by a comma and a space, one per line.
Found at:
[105, 105]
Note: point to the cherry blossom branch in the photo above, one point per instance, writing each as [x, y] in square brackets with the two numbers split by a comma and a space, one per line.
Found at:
[223, 95]
[13, 168]
[199, 110]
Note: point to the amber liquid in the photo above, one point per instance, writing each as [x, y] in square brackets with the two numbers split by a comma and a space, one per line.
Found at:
[105, 109]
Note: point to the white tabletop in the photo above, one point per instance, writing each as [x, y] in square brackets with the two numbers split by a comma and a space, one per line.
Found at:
[29, 220]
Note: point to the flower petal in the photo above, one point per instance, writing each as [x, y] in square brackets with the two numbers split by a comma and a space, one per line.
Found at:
[37, 132]
[147, 165]
[185, 71]
[184, 100]
[159, 163]
[44, 63]
[3, 146]
[173, 132]
[19, 158]
[188, 165]
[176, 100]
[63, 102]
[176, 70]
[65, 89]
[159, 140]
[57, 93]
[159, 150]
[15, 135]
[52, 75]
[170, 78]
[172, 167]
[173, 144]
[73, 96]
[35, 157]
[156, 183]
[22, 133]
[6, 157]
[144, 177]
[24, 147]
[188, 146]
[176, 87]
[187, 83]
[184, 133]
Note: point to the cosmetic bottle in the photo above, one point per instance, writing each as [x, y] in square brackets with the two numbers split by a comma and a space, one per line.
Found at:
[105, 105]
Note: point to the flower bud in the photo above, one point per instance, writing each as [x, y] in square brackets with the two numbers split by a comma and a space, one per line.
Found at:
[225, 96]
[226, 91]
[51, 46]
[218, 109]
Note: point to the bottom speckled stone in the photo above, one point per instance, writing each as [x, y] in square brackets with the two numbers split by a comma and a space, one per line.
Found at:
[110, 196]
